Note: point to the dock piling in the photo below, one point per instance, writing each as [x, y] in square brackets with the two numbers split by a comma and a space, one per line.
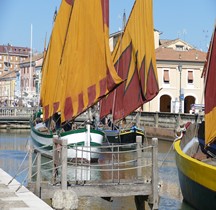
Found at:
[139, 156]
[30, 166]
[38, 179]
[64, 164]
[155, 173]
[55, 161]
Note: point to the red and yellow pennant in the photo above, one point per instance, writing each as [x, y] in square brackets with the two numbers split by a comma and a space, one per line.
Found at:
[210, 92]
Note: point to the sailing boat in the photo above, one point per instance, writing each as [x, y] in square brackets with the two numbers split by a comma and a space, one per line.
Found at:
[135, 63]
[197, 165]
[77, 72]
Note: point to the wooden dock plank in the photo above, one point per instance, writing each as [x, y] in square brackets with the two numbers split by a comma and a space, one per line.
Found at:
[98, 190]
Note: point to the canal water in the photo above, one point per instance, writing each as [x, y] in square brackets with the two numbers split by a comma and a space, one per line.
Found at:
[13, 159]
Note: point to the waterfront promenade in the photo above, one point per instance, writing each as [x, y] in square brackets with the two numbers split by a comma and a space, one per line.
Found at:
[13, 196]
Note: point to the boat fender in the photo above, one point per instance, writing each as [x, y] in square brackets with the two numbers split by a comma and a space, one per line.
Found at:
[178, 135]
[191, 146]
[179, 131]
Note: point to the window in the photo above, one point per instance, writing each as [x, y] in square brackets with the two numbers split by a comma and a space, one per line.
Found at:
[166, 77]
[180, 47]
[27, 83]
[190, 77]
[0, 57]
[6, 65]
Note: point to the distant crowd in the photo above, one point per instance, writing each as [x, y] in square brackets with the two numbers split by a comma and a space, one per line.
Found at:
[16, 103]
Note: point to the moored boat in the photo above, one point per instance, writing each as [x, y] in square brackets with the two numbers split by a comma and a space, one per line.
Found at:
[77, 72]
[197, 180]
[43, 142]
[195, 160]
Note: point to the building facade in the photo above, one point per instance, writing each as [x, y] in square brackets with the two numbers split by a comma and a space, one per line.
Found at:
[30, 77]
[179, 68]
[10, 58]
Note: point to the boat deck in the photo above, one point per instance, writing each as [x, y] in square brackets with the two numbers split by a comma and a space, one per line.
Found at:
[203, 158]
[210, 161]
[13, 196]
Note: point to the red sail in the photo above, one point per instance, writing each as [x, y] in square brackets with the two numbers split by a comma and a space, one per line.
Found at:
[134, 58]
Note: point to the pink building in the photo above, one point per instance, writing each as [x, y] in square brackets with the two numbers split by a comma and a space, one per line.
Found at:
[30, 71]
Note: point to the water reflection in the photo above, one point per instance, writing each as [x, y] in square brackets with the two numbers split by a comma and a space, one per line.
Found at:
[13, 149]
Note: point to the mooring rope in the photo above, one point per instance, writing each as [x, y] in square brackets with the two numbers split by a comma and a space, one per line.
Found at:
[170, 149]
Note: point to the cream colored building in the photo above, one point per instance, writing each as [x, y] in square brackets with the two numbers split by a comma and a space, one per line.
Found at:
[179, 68]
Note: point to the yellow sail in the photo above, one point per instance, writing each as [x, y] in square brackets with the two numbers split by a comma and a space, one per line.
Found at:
[50, 69]
[80, 59]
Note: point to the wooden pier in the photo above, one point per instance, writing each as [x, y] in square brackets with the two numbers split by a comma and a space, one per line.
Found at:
[112, 176]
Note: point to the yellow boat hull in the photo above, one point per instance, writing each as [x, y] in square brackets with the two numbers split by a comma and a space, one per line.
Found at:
[197, 180]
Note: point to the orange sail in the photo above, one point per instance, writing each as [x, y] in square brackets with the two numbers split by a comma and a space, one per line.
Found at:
[135, 63]
[210, 92]
[84, 68]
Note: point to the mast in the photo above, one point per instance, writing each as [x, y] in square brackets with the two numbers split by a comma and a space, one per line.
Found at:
[124, 20]
[30, 68]
[114, 96]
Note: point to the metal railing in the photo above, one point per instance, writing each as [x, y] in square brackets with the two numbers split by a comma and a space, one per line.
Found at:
[118, 167]
[16, 111]
[151, 119]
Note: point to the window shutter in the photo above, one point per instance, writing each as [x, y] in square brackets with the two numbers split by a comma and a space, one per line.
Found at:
[166, 76]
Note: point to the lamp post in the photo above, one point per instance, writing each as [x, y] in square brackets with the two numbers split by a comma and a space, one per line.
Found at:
[180, 93]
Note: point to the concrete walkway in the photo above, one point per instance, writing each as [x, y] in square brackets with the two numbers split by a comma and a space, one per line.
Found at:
[23, 199]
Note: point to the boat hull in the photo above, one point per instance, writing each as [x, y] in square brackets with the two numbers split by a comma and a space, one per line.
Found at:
[124, 136]
[112, 136]
[197, 180]
[129, 136]
[76, 143]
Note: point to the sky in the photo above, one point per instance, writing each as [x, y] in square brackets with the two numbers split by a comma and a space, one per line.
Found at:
[190, 20]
